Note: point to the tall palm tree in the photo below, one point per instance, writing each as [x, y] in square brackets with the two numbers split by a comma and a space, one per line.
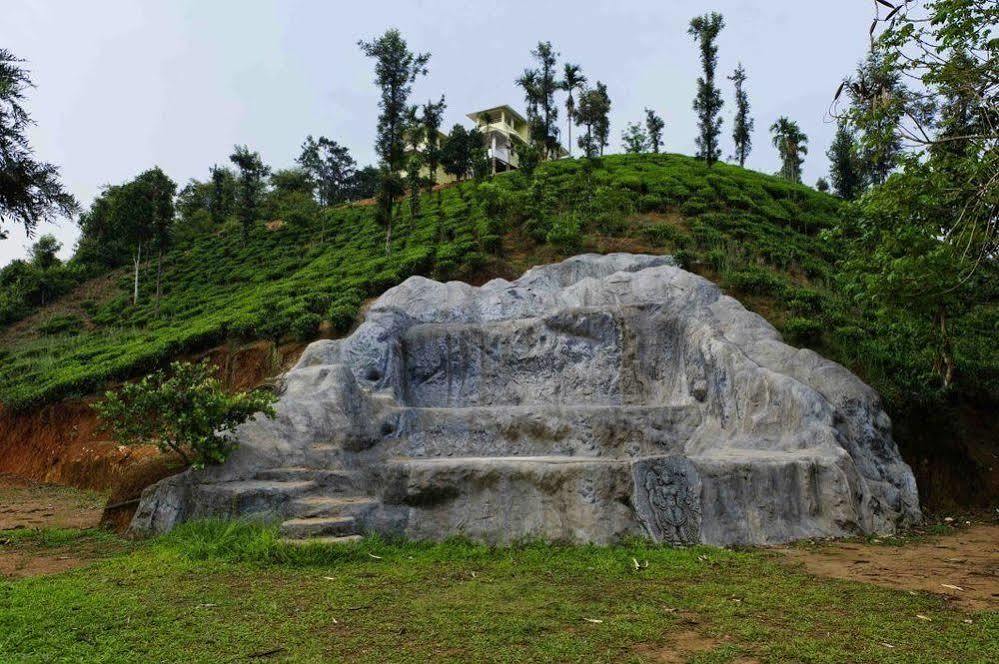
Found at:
[791, 144]
[572, 80]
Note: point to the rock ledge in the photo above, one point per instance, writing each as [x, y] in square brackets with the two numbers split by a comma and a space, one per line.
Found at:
[589, 400]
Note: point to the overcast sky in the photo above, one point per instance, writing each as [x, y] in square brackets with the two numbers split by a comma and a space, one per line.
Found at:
[126, 85]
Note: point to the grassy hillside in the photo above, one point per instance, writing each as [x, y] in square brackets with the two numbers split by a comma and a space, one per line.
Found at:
[760, 237]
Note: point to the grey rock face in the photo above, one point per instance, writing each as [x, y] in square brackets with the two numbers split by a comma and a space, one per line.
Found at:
[597, 398]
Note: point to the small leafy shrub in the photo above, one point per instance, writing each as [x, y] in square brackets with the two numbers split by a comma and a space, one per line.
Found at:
[662, 233]
[184, 410]
[62, 324]
[341, 317]
[755, 281]
[610, 223]
[694, 207]
[802, 331]
[651, 203]
[306, 326]
[566, 233]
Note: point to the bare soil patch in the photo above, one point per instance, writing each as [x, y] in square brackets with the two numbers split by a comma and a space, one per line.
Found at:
[29, 505]
[25, 503]
[962, 566]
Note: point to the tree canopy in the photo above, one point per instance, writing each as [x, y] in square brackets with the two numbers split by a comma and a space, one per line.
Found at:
[30, 190]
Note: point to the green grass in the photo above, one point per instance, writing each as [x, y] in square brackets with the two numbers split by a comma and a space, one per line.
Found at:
[221, 592]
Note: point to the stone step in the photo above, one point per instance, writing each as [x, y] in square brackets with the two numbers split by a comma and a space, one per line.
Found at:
[543, 430]
[330, 506]
[319, 527]
[328, 478]
[340, 539]
[243, 497]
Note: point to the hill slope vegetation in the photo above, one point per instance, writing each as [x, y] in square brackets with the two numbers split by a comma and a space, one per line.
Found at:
[304, 271]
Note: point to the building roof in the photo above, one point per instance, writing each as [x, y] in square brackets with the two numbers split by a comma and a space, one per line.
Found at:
[494, 112]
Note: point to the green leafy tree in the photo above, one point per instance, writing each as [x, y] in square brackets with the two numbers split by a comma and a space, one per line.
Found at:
[457, 152]
[44, 252]
[365, 183]
[431, 116]
[654, 126]
[822, 185]
[185, 410]
[251, 185]
[845, 169]
[142, 215]
[593, 113]
[30, 190]
[396, 69]
[792, 145]
[331, 168]
[601, 129]
[708, 102]
[923, 245]
[529, 83]
[415, 158]
[742, 127]
[547, 84]
[222, 202]
[292, 181]
[482, 165]
[880, 101]
[572, 81]
[101, 245]
[634, 139]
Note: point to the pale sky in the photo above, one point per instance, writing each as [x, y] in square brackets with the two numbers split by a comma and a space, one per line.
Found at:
[126, 85]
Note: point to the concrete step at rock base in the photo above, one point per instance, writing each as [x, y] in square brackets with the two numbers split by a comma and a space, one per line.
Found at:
[319, 526]
[336, 539]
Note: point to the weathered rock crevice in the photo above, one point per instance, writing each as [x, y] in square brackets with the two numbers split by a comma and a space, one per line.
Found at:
[589, 400]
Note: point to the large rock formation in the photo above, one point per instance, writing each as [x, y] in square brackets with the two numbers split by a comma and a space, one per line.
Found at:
[597, 398]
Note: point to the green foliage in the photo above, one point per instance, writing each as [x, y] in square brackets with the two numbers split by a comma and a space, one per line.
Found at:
[742, 125]
[708, 102]
[845, 168]
[773, 242]
[791, 144]
[185, 410]
[30, 191]
[802, 331]
[565, 233]
[634, 140]
[61, 324]
[251, 185]
[654, 126]
[593, 113]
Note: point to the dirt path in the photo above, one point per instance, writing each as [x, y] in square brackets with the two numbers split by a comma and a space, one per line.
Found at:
[26, 505]
[962, 565]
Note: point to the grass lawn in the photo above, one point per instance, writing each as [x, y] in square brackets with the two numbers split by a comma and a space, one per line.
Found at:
[213, 592]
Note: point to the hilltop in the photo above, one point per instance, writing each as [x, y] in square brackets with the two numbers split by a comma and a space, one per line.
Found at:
[306, 272]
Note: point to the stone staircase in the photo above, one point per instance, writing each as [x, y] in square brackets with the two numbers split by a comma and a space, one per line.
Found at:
[317, 504]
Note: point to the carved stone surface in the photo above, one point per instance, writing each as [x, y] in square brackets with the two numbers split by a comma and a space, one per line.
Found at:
[589, 400]
[668, 499]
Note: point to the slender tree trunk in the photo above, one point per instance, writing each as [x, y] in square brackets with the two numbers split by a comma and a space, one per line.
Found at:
[388, 235]
[135, 287]
[159, 275]
[945, 361]
[568, 112]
